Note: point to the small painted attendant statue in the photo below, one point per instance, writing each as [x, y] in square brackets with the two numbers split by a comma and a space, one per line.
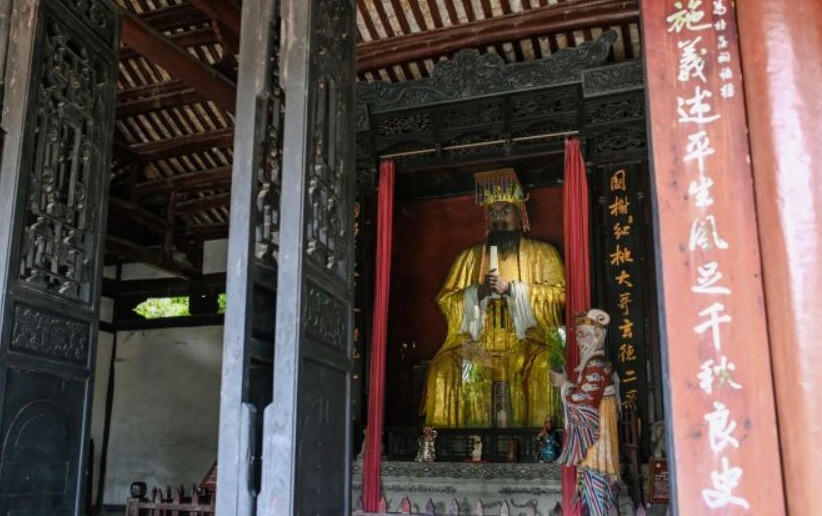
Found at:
[591, 410]
[548, 442]
[427, 445]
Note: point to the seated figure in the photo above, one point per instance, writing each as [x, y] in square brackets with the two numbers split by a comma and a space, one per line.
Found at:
[591, 412]
[503, 301]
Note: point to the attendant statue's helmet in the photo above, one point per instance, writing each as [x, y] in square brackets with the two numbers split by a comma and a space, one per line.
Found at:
[591, 328]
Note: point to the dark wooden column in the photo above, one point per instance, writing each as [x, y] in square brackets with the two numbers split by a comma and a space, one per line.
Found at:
[716, 357]
[781, 50]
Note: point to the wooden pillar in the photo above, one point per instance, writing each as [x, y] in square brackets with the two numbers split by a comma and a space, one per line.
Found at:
[781, 48]
[720, 410]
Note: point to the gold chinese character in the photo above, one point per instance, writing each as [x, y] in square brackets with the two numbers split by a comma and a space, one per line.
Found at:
[627, 328]
[619, 206]
[629, 376]
[621, 255]
[621, 230]
[625, 302]
[623, 278]
[629, 401]
[627, 352]
[618, 181]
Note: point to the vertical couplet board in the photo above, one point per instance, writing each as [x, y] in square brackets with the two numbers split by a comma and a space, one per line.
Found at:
[720, 404]
[58, 117]
[624, 260]
[307, 436]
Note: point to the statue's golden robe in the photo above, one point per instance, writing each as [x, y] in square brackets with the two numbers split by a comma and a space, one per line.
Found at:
[507, 339]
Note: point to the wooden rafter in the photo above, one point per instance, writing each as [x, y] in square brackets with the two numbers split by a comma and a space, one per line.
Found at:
[124, 210]
[204, 203]
[190, 144]
[224, 11]
[192, 38]
[162, 101]
[565, 16]
[175, 17]
[151, 256]
[157, 48]
[216, 177]
[150, 90]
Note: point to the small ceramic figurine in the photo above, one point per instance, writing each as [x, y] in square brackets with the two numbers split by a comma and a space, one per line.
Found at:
[476, 448]
[427, 449]
[547, 442]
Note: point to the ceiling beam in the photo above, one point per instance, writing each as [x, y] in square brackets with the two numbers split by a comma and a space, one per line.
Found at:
[192, 38]
[212, 232]
[212, 202]
[150, 256]
[175, 17]
[220, 176]
[154, 46]
[157, 102]
[560, 17]
[126, 212]
[224, 11]
[150, 90]
[184, 145]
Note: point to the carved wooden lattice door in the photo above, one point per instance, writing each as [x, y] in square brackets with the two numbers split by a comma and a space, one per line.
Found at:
[298, 224]
[58, 119]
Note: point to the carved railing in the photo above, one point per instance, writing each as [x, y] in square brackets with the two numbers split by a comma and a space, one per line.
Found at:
[454, 509]
[199, 503]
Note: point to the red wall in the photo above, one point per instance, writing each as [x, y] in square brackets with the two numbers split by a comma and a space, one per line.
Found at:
[428, 235]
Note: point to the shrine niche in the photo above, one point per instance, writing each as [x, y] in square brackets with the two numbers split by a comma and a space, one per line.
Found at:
[476, 114]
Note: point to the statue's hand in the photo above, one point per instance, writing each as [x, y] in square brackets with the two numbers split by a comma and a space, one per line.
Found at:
[558, 378]
[496, 283]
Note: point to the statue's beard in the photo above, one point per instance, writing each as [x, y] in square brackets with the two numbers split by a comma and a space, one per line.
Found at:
[507, 241]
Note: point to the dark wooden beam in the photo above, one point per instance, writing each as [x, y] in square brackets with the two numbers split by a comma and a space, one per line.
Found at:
[157, 48]
[150, 90]
[163, 101]
[155, 257]
[204, 203]
[184, 145]
[560, 17]
[215, 177]
[192, 38]
[175, 17]
[126, 213]
[224, 11]
[211, 232]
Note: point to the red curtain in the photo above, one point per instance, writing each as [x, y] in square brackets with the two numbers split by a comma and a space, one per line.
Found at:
[577, 275]
[371, 492]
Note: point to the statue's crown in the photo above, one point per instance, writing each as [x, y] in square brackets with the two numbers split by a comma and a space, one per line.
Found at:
[592, 317]
[498, 186]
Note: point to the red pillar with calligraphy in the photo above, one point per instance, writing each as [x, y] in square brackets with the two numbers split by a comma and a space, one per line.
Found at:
[781, 45]
[720, 400]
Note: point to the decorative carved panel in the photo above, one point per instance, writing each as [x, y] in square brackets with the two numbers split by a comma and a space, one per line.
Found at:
[612, 79]
[545, 103]
[99, 17]
[269, 172]
[403, 124]
[614, 109]
[326, 228]
[324, 317]
[616, 139]
[63, 198]
[470, 74]
[49, 335]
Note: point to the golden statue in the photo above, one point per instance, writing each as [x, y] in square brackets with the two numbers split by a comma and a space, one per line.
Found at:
[503, 301]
